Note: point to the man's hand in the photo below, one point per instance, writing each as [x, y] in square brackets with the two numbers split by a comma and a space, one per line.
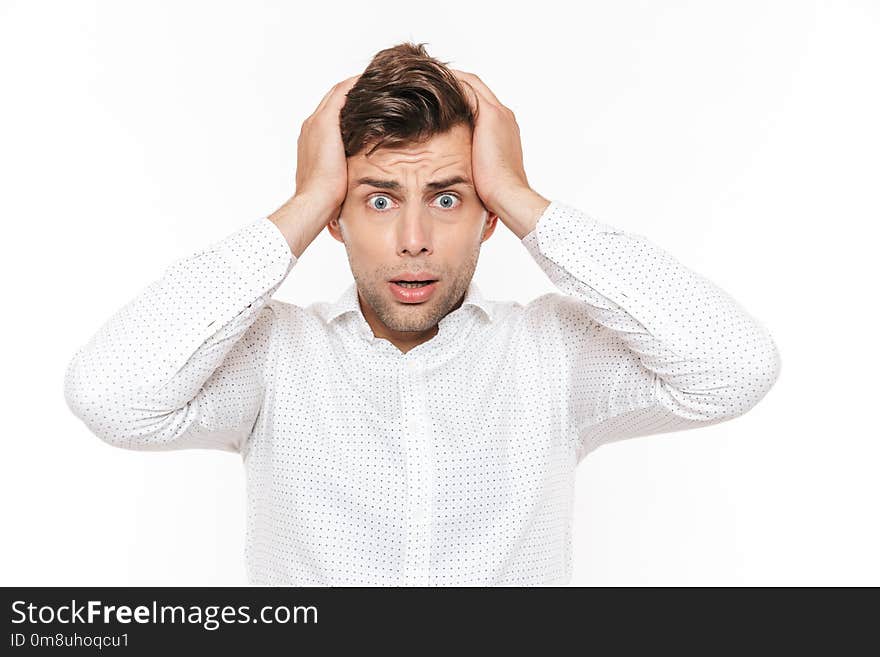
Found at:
[321, 173]
[497, 161]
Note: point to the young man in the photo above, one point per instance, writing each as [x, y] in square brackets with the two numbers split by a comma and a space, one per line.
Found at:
[414, 432]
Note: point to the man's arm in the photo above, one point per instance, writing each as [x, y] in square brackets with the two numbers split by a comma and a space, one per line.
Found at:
[648, 346]
[182, 365]
[651, 346]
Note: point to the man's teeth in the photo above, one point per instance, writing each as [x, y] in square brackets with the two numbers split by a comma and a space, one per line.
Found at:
[412, 283]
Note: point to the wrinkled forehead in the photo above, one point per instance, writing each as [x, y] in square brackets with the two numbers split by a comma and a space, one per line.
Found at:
[449, 152]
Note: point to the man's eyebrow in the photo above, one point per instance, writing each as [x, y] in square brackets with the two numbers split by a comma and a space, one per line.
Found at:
[431, 186]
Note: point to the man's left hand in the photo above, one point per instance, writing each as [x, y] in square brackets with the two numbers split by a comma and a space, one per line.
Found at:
[497, 160]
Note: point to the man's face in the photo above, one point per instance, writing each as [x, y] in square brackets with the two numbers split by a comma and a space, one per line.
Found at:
[434, 232]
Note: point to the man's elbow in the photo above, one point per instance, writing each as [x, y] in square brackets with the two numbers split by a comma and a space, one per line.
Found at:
[118, 421]
[726, 391]
[756, 377]
[749, 382]
[103, 416]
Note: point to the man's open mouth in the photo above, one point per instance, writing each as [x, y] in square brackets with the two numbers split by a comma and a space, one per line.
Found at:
[413, 283]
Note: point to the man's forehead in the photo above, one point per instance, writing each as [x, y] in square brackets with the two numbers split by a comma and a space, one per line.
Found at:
[396, 166]
[443, 149]
[440, 154]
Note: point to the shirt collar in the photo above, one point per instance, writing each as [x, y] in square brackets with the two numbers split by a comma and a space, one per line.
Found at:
[348, 303]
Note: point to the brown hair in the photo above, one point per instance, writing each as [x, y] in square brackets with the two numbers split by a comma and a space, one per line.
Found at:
[404, 96]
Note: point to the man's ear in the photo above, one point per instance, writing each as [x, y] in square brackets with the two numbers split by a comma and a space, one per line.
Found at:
[490, 221]
[334, 227]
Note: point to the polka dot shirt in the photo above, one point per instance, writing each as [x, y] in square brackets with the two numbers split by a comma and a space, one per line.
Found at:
[450, 464]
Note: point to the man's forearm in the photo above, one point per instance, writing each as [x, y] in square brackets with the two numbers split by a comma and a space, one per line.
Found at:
[153, 375]
[521, 210]
[301, 220]
[714, 359]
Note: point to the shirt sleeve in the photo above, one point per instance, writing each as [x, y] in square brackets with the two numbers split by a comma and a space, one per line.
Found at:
[649, 345]
[182, 364]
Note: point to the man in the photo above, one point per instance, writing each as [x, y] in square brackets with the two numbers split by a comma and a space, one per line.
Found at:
[414, 432]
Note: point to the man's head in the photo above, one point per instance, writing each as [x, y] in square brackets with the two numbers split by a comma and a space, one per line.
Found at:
[411, 206]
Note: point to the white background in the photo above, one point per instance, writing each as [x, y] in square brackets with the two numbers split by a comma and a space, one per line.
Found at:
[740, 136]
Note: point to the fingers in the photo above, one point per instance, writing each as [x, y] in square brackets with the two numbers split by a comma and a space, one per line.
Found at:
[478, 86]
[470, 92]
[324, 101]
[335, 98]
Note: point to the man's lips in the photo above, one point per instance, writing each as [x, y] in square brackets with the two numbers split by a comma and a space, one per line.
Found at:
[412, 294]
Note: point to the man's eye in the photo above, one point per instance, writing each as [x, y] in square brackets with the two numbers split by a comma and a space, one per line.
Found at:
[382, 202]
[380, 206]
[448, 200]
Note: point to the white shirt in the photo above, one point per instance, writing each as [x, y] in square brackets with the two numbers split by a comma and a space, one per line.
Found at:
[451, 464]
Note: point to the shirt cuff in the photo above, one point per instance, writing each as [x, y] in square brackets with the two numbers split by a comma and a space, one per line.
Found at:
[553, 222]
[259, 253]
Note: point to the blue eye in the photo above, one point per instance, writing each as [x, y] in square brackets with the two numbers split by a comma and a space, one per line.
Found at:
[452, 196]
[384, 199]
[384, 203]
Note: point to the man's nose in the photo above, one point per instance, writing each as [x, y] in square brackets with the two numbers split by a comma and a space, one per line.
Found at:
[414, 231]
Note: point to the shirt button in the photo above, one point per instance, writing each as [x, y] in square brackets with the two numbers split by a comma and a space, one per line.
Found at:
[412, 366]
[420, 514]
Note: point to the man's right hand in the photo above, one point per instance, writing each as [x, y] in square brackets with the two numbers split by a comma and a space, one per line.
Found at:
[321, 173]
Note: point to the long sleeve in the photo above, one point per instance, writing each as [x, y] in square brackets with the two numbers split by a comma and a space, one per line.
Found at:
[181, 365]
[649, 345]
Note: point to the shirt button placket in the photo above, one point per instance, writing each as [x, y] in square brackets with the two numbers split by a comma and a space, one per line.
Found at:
[419, 475]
